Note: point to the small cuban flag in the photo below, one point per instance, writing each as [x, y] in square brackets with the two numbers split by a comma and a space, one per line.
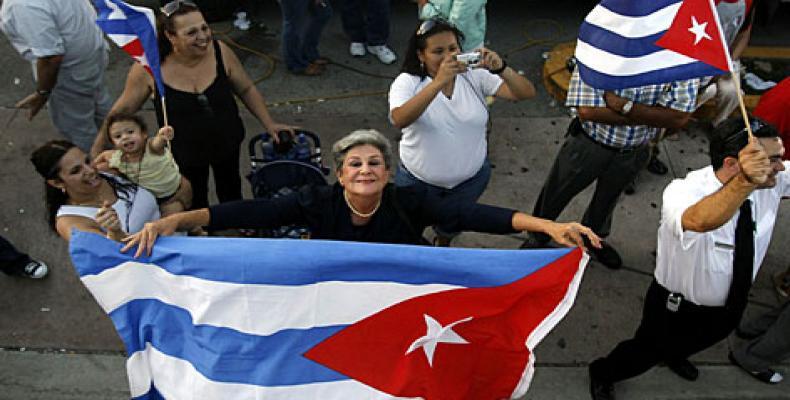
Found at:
[631, 43]
[229, 318]
[133, 29]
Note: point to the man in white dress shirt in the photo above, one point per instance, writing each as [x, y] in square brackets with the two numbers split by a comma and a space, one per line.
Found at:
[715, 228]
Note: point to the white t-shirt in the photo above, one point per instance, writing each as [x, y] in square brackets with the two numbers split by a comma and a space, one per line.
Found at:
[699, 265]
[446, 145]
[134, 208]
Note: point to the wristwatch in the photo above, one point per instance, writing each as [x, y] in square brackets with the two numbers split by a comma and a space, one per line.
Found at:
[627, 107]
[43, 93]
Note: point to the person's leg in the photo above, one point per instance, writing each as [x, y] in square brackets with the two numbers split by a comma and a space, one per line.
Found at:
[11, 260]
[770, 348]
[378, 22]
[227, 177]
[468, 191]
[318, 18]
[578, 163]
[73, 114]
[612, 181]
[294, 14]
[635, 356]
[102, 99]
[198, 177]
[353, 20]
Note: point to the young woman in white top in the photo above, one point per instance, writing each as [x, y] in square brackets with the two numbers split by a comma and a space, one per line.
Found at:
[79, 197]
[439, 103]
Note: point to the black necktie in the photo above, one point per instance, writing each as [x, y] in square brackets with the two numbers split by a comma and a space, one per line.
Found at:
[742, 261]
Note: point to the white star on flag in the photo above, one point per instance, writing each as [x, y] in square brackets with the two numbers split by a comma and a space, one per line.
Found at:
[437, 334]
[698, 30]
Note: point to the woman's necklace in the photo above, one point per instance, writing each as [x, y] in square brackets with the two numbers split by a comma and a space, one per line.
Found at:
[356, 212]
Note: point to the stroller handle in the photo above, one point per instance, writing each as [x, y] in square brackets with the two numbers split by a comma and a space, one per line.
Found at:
[257, 141]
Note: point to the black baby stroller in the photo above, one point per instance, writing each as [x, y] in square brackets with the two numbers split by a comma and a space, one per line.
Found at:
[279, 169]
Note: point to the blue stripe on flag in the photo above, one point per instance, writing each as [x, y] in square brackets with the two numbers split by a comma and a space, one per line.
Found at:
[223, 354]
[294, 262]
[636, 8]
[613, 43]
[603, 81]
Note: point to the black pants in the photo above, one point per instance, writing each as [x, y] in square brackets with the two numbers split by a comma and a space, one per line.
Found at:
[664, 336]
[11, 260]
[580, 162]
[227, 180]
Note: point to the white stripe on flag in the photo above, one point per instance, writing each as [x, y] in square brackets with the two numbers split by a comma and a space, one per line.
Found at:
[276, 307]
[122, 40]
[613, 64]
[633, 27]
[178, 379]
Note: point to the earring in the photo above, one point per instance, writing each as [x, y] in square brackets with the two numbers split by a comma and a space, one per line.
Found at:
[63, 189]
[422, 65]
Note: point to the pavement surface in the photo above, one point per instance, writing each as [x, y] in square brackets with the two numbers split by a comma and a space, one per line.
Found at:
[55, 343]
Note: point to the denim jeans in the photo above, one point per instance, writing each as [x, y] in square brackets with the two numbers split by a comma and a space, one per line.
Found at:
[11, 260]
[370, 25]
[467, 191]
[303, 22]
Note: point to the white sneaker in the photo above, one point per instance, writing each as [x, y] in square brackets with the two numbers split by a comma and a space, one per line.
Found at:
[35, 269]
[384, 53]
[357, 49]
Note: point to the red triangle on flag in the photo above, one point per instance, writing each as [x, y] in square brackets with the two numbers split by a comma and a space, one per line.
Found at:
[695, 32]
[456, 344]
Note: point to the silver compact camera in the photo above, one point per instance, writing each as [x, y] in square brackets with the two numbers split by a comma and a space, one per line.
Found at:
[471, 60]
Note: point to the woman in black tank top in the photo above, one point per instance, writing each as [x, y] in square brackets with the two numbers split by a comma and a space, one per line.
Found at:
[201, 77]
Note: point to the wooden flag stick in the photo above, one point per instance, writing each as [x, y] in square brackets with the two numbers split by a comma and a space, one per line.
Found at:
[737, 79]
[164, 115]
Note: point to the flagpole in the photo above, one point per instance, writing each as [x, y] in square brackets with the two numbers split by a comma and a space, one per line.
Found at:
[737, 79]
[735, 75]
[164, 115]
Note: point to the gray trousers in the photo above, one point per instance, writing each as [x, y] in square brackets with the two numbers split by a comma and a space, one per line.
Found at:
[579, 163]
[771, 345]
[78, 115]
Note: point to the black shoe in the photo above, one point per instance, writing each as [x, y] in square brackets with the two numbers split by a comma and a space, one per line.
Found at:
[768, 375]
[607, 256]
[34, 270]
[684, 369]
[600, 390]
[657, 167]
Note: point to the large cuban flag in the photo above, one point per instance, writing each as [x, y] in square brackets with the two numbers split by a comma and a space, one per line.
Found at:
[630, 43]
[133, 29]
[220, 318]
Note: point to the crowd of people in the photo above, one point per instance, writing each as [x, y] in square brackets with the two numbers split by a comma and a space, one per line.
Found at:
[716, 223]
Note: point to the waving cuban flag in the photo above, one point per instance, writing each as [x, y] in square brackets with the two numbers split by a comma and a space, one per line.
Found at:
[630, 43]
[219, 318]
[133, 29]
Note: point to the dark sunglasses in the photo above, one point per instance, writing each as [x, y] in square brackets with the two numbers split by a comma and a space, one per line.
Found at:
[429, 24]
[755, 126]
[205, 105]
[174, 5]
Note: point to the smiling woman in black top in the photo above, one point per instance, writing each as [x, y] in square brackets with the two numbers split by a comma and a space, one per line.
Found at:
[361, 206]
[202, 78]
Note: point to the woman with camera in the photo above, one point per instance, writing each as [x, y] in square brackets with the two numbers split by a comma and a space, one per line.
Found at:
[439, 103]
